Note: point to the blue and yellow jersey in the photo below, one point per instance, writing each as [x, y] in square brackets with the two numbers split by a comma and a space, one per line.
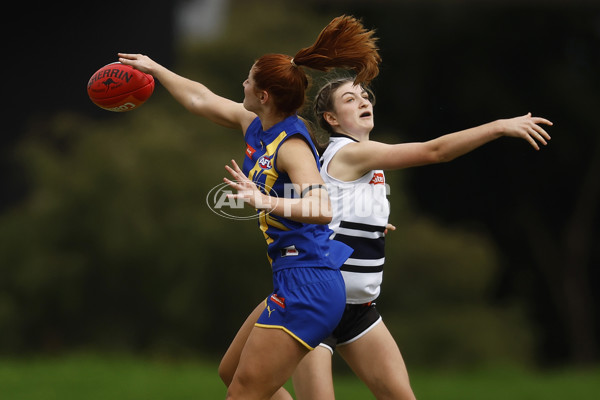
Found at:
[289, 243]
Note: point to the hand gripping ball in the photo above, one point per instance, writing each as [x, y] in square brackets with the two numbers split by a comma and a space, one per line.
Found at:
[119, 87]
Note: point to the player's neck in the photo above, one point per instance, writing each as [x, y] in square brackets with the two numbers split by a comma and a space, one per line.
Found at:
[268, 120]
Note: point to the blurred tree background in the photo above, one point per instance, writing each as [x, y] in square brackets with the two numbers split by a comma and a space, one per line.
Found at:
[106, 241]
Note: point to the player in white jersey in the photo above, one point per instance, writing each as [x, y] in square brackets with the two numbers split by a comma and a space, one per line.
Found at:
[353, 168]
[361, 212]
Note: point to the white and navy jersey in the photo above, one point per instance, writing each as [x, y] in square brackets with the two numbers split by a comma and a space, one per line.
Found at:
[360, 215]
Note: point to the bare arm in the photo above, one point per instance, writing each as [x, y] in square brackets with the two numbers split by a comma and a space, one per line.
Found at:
[356, 159]
[296, 159]
[194, 96]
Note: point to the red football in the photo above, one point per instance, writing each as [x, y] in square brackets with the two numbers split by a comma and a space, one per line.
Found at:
[119, 87]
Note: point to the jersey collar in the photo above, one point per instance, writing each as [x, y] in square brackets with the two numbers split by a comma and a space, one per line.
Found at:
[343, 135]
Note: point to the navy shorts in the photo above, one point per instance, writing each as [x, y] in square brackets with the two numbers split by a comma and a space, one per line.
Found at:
[307, 303]
[357, 320]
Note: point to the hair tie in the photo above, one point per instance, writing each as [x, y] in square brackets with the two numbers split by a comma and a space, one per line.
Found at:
[293, 63]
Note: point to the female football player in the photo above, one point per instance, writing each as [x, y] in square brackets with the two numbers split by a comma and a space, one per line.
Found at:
[353, 168]
[309, 295]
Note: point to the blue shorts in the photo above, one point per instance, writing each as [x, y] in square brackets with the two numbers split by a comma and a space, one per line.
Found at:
[307, 303]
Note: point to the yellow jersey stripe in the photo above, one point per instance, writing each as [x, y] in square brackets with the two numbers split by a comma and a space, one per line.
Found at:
[271, 177]
[272, 221]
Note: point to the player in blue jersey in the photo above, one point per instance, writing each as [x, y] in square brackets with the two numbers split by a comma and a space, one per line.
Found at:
[353, 167]
[309, 295]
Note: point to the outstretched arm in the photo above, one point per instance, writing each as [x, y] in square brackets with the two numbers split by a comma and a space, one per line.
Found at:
[361, 157]
[194, 96]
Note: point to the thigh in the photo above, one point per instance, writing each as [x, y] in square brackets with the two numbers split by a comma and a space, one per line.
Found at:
[376, 360]
[230, 360]
[312, 377]
[267, 361]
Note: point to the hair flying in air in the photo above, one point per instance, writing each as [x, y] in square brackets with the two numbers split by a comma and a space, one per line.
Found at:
[344, 43]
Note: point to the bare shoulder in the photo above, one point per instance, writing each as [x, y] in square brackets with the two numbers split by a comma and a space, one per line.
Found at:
[355, 159]
[296, 158]
[293, 151]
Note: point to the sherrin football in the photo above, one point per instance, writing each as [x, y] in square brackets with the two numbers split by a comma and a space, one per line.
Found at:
[119, 87]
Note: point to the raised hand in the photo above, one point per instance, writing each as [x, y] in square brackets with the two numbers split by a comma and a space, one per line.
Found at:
[246, 189]
[528, 128]
[138, 61]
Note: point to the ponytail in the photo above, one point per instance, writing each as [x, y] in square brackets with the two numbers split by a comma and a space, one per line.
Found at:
[343, 43]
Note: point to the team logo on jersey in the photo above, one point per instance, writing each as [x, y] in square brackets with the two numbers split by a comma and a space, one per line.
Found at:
[265, 162]
[280, 301]
[378, 179]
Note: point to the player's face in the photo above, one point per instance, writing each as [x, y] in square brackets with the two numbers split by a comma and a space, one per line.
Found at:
[251, 98]
[353, 110]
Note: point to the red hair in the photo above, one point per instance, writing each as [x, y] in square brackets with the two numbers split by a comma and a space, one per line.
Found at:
[276, 74]
[343, 43]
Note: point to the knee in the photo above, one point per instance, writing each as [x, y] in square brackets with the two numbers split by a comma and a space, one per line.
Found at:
[226, 372]
[242, 388]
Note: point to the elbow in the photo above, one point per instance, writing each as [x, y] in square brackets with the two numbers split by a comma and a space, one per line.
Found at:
[326, 214]
[443, 158]
[192, 104]
[195, 103]
[439, 157]
[324, 219]
[433, 153]
[314, 219]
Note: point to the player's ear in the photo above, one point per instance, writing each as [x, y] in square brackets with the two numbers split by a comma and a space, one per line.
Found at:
[263, 96]
[330, 118]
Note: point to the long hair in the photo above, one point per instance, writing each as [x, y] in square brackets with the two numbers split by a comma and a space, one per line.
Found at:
[343, 43]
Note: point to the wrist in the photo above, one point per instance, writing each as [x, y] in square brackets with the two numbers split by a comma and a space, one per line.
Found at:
[498, 128]
[263, 202]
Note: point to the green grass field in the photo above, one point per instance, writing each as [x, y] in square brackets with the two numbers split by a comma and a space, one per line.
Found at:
[103, 378]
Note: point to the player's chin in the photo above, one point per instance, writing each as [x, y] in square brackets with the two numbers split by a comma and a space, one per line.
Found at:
[248, 106]
[367, 122]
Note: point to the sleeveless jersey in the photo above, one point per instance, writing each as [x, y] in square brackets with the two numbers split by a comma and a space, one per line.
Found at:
[360, 215]
[289, 243]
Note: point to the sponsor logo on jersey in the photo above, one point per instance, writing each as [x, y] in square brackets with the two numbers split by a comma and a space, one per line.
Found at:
[280, 301]
[378, 179]
[249, 151]
[289, 251]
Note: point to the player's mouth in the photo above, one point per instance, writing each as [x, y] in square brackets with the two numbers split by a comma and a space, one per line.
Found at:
[366, 114]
